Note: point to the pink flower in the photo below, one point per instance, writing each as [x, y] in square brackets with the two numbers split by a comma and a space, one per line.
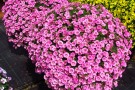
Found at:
[77, 32]
[111, 36]
[104, 32]
[80, 12]
[60, 43]
[98, 60]
[66, 54]
[99, 27]
[127, 34]
[85, 35]
[115, 83]
[89, 70]
[91, 37]
[77, 50]
[80, 61]
[75, 80]
[68, 38]
[53, 48]
[73, 63]
[71, 70]
[108, 47]
[95, 33]
[84, 50]
[106, 54]
[111, 28]
[91, 57]
[118, 43]
[106, 65]
[99, 56]
[123, 63]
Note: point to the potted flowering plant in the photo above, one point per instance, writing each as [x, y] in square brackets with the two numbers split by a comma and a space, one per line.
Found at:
[76, 46]
[81, 46]
[4, 80]
[23, 14]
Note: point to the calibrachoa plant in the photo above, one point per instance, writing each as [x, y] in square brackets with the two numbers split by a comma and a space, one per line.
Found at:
[4, 80]
[77, 46]
[17, 20]
[123, 9]
[81, 47]
[21, 16]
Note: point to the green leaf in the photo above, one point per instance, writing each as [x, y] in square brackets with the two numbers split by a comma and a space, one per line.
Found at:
[106, 27]
[114, 48]
[73, 37]
[71, 27]
[101, 64]
[76, 58]
[67, 50]
[37, 5]
[103, 48]
[85, 12]
[81, 33]
[100, 36]
[74, 11]
[61, 35]
[50, 51]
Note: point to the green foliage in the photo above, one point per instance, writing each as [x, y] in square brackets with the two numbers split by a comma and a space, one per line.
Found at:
[39, 4]
[100, 36]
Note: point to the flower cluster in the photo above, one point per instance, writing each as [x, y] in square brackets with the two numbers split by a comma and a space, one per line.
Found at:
[81, 47]
[76, 46]
[21, 16]
[123, 9]
[4, 80]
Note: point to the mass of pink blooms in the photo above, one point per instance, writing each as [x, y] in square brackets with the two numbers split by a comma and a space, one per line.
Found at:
[22, 16]
[76, 46]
